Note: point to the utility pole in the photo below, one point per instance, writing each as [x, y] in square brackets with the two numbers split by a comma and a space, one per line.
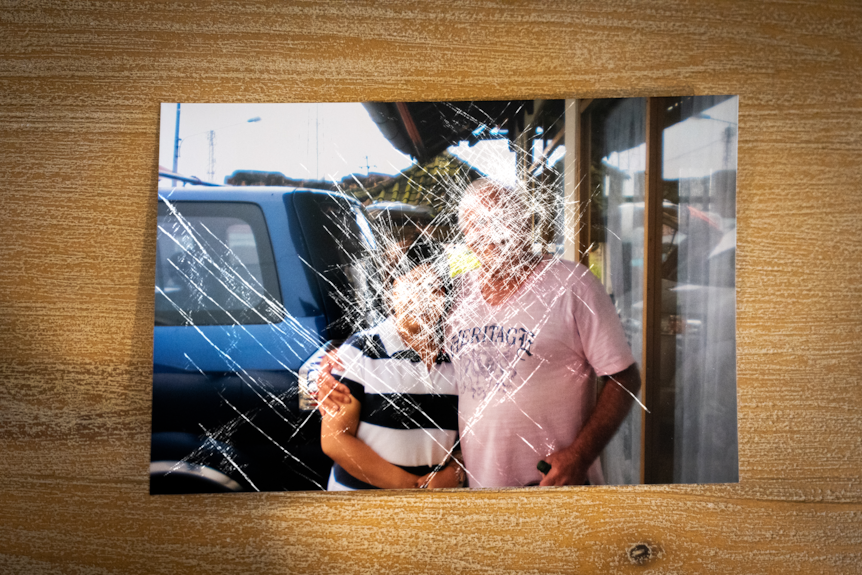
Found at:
[177, 144]
[211, 170]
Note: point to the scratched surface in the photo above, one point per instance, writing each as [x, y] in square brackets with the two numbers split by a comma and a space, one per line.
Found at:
[81, 84]
[230, 342]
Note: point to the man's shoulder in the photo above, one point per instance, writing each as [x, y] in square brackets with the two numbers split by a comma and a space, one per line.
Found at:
[559, 264]
[574, 275]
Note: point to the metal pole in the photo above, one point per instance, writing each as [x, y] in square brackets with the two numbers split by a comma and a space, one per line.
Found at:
[177, 144]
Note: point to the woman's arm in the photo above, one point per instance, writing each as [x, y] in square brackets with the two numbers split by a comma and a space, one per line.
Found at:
[338, 439]
[450, 476]
[331, 394]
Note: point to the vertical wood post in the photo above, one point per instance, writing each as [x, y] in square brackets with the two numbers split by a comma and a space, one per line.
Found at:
[571, 205]
[651, 471]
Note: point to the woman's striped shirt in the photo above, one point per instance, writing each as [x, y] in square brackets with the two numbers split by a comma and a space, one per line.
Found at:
[409, 415]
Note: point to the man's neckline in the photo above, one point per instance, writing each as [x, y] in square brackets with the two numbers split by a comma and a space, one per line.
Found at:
[519, 287]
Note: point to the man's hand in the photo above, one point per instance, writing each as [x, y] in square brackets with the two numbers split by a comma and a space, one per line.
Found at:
[569, 465]
[566, 469]
[331, 394]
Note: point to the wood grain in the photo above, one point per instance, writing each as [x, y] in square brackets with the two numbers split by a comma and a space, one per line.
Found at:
[80, 87]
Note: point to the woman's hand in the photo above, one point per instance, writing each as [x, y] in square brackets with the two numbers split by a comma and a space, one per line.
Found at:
[331, 394]
[445, 478]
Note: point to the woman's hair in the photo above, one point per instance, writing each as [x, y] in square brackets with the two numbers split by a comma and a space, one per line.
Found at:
[421, 252]
[424, 251]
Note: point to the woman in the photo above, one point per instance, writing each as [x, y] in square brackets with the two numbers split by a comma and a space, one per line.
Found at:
[401, 426]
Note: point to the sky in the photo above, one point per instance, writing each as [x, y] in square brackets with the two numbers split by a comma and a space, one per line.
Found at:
[303, 141]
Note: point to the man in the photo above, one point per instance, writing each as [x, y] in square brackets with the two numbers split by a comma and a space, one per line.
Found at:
[525, 336]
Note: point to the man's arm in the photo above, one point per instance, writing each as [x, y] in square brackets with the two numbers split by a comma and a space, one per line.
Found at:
[569, 465]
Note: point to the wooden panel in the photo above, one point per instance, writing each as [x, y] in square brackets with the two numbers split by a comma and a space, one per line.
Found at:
[80, 86]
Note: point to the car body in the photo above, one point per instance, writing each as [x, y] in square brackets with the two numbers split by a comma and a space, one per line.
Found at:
[250, 283]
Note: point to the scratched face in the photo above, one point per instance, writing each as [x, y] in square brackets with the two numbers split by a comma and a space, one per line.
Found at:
[418, 300]
[498, 232]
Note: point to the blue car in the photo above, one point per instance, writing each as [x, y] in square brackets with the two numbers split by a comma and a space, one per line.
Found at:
[250, 284]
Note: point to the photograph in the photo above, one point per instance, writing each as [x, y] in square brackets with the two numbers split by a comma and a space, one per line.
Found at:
[440, 295]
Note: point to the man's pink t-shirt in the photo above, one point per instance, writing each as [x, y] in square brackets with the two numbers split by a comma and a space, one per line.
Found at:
[524, 369]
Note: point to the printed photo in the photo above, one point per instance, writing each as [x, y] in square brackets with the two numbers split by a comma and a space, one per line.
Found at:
[445, 295]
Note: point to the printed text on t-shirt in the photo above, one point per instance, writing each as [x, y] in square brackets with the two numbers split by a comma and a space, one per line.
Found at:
[493, 334]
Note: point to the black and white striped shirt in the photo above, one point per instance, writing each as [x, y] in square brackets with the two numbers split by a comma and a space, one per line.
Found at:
[409, 415]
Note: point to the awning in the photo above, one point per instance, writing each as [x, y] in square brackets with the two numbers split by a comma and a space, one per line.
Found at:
[423, 130]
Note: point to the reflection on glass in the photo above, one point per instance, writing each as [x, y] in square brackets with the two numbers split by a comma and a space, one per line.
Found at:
[617, 152]
[698, 321]
[213, 266]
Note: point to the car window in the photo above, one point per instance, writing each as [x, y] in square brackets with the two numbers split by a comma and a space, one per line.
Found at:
[214, 265]
[342, 249]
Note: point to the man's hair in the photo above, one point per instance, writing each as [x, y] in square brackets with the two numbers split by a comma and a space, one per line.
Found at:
[506, 196]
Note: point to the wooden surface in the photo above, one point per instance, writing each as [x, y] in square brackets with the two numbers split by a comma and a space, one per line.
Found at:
[80, 86]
